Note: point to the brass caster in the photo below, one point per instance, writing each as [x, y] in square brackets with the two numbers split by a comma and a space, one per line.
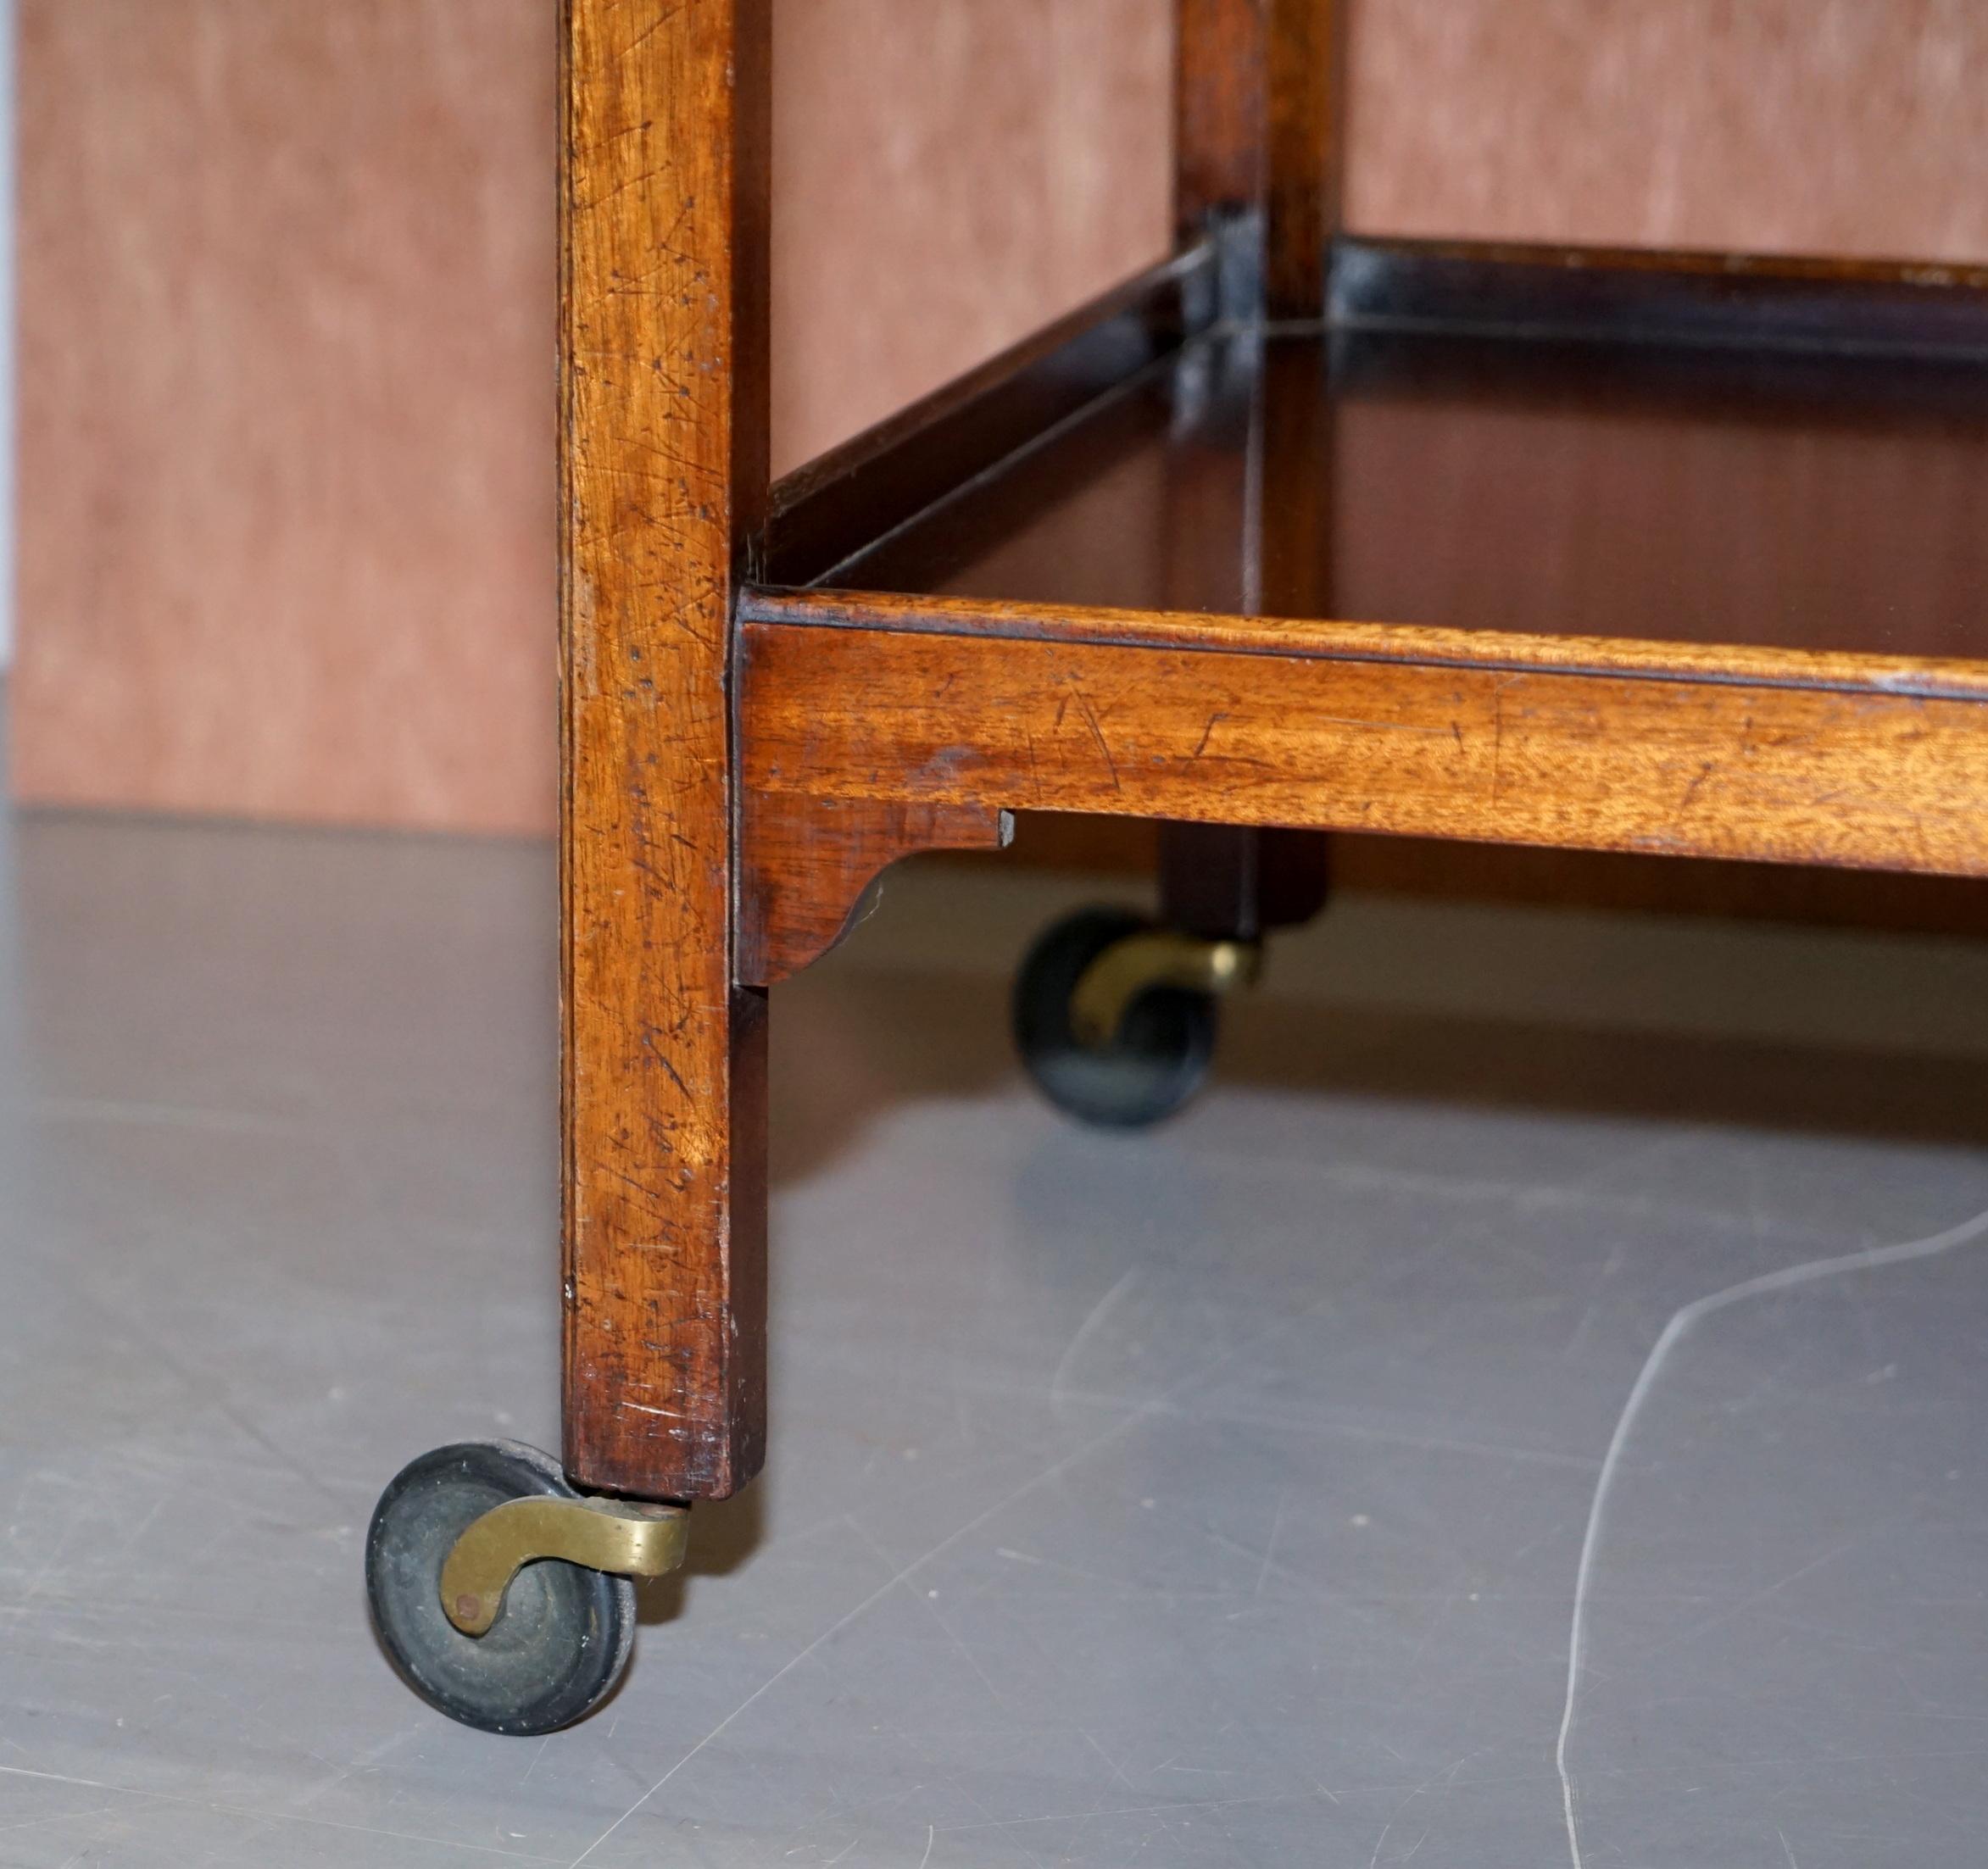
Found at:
[614, 1535]
[1115, 1017]
[1157, 957]
[502, 1597]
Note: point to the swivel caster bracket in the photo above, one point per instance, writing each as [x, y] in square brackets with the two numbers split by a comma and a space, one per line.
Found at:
[621, 1536]
[1152, 957]
[504, 1597]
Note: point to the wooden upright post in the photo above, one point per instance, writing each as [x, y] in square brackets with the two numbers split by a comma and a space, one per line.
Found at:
[1218, 111]
[1257, 110]
[663, 476]
[1303, 141]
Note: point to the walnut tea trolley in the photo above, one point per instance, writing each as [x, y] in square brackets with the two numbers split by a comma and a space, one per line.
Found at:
[1300, 532]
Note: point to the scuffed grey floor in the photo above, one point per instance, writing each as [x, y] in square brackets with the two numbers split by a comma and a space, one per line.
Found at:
[1219, 1498]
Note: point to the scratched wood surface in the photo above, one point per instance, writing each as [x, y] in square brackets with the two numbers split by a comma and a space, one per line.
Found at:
[1706, 766]
[662, 461]
[805, 863]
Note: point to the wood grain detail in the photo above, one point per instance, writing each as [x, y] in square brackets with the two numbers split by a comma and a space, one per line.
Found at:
[663, 470]
[805, 862]
[1598, 760]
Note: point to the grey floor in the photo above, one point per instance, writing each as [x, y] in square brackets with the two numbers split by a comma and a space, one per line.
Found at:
[1233, 1497]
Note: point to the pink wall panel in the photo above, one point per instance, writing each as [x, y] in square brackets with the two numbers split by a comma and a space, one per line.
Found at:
[1850, 126]
[286, 409]
[286, 291]
[286, 286]
[947, 175]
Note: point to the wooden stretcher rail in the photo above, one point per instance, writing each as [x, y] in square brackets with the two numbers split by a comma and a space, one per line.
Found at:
[1205, 720]
[847, 499]
[1762, 301]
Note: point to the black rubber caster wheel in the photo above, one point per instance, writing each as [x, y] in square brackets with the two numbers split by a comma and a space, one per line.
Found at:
[1158, 1060]
[560, 1642]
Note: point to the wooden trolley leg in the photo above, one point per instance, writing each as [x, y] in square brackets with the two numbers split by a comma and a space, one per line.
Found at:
[663, 469]
[663, 492]
[1223, 882]
[1257, 128]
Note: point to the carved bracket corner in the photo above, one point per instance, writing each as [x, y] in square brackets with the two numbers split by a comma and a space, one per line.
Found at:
[805, 863]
